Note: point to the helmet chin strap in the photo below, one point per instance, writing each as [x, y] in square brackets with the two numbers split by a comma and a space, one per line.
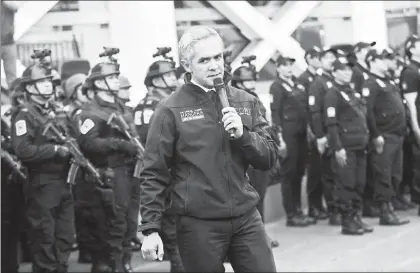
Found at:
[169, 88]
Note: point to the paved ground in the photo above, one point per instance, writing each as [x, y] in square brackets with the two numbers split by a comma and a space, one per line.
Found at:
[322, 248]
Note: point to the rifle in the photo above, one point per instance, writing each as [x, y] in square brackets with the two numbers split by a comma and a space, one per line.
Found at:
[12, 162]
[121, 125]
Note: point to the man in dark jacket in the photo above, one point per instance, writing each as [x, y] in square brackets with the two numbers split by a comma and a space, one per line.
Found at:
[189, 149]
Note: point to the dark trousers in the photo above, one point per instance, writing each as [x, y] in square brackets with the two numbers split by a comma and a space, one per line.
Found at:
[50, 214]
[415, 197]
[328, 178]
[170, 242]
[408, 168]
[89, 218]
[368, 195]
[314, 184]
[12, 209]
[293, 169]
[115, 228]
[351, 180]
[387, 168]
[259, 180]
[204, 244]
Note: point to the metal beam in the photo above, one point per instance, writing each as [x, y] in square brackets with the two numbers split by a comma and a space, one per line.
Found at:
[29, 14]
[274, 36]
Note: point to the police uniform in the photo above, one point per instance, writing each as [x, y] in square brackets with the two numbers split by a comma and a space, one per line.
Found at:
[410, 83]
[386, 118]
[314, 185]
[348, 130]
[316, 94]
[143, 113]
[360, 73]
[289, 112]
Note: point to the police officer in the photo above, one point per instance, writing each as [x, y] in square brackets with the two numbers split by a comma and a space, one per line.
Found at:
[316, 93]
[245, 78]
[395, 65]
[314, 185]
[160, 81]
[12, 200]
[289, 115]
[49, 200]
[360, 69]
[387, 121]
[348, 136]
[410, 83]
[108, 148]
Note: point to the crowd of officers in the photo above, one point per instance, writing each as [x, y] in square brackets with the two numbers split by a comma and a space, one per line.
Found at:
[347, 122]
[351, 118]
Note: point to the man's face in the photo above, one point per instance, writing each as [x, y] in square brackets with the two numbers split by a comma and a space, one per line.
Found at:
[415, 50]
[42, 87]
[250, 85]
[166, 80]
[343, 75]
[391, 64]
[380, 64]
[314, 62]
[327, 60]
[206, 62]
[124, 93]
[111, 81]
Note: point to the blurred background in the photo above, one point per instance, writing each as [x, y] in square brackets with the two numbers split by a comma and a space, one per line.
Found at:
[79, 29]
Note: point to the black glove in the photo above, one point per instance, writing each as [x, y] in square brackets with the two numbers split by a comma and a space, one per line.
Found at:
[62, 151]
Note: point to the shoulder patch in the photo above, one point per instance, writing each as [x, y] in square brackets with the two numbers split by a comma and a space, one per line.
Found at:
[147, 114]
[87, 125]
[329, 84]
[20, 127]
[311, 100]
[365, 92]
[331, 112]
[137, 118]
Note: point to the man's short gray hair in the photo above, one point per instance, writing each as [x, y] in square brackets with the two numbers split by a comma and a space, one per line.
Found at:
[191, 37]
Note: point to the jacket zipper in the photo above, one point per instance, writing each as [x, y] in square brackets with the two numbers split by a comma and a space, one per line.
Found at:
[224, 155]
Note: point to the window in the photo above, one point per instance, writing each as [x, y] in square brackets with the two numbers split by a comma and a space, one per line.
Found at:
[104, 26]
[67, 28]
[65, 6]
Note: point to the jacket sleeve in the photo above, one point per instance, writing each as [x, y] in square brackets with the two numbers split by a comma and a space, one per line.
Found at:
[277, 94]
[316, 102]
[155, 177]
[89, 138]
[23, 133]
[256, 145]
[331, 107]
[370, 92]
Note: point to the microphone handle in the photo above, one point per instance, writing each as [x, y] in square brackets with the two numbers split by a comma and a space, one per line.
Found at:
[225, 103]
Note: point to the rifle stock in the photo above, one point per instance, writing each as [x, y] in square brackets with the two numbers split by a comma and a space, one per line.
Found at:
[16, 165]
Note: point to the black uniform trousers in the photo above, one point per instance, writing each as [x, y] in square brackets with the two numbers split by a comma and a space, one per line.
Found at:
[328, 179]
[50, 214]
[170, 242]
[116, 226]
[205, 243]
[408, 167]
[350, 182]
[314, 184]
[259, 180]
[387, 168]
[89, 217]
[293, 170]
[12, 213]
[415, 197]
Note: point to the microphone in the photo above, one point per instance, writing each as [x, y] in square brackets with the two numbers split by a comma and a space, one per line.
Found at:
[221, 91]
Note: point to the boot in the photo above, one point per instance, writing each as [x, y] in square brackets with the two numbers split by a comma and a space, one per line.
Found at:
[127, 263]
[100, 267]
[349, 226]
[370, 209]
[334, 218]
[319, 214]
[84, 257]
[309, 219]
[406, 202]
[366, 228]
[398, 205]
[388, 217]
[297, 221]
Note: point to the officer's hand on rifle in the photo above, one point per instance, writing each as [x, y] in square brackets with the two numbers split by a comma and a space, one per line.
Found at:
[62, 151]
